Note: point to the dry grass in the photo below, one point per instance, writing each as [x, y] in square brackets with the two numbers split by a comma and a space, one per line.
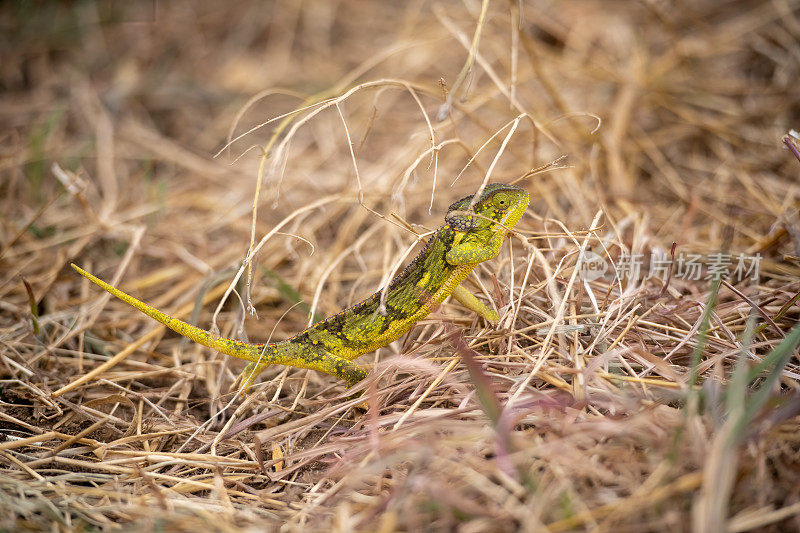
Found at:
[578, 413]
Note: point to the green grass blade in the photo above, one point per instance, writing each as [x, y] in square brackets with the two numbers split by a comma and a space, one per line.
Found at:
[775, 361]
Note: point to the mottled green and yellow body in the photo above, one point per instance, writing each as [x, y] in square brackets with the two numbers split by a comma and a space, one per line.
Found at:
[473, 232]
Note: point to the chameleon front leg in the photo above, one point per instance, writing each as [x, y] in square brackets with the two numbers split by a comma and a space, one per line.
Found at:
[468, 300]
[470, 252]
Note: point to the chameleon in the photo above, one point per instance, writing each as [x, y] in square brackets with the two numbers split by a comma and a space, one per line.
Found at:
[473, 232]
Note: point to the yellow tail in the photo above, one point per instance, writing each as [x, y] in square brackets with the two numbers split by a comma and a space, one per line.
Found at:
[241, 350]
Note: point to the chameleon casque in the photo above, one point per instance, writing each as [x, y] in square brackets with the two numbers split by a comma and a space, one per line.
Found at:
[468, 237]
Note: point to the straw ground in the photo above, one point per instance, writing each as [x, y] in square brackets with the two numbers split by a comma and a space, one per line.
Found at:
[667, 400]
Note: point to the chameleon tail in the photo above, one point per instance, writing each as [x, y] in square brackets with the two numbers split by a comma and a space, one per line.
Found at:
[241, 350]
[259, 355]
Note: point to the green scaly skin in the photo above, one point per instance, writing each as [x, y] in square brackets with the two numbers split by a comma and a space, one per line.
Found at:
[469, 236]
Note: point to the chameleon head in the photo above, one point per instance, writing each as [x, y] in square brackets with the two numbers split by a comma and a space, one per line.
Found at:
[497, 203]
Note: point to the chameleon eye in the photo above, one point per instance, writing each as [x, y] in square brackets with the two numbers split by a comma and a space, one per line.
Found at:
[501, 200]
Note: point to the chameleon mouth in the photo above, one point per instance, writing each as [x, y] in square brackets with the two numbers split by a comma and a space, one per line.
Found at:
[514, 214]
